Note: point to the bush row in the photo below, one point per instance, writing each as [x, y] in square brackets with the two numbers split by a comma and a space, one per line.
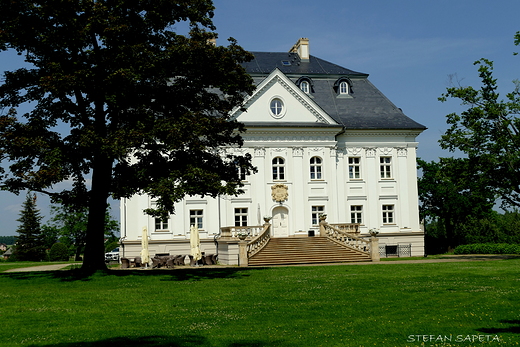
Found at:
[488, 248]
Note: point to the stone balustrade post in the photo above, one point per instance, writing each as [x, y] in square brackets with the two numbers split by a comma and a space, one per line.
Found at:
[323, 232]
[242, 253]
[225, 233]
[267, 225]
[374, 248]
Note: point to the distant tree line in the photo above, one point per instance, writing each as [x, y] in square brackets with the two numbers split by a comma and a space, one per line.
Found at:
[8, 240]
[61, 238]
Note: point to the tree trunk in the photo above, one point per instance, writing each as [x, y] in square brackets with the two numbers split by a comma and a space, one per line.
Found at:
[450, 233]
[94, 257]
[77, 256]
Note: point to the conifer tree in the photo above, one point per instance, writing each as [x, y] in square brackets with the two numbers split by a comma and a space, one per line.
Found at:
[29, 245]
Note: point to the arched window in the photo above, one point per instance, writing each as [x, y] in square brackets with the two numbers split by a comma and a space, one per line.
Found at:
[343, 87]
[315, 168]
[278, 169]
[305, 84]
[305, 87]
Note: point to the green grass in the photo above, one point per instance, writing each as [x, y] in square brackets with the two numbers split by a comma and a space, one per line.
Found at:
[342, 305]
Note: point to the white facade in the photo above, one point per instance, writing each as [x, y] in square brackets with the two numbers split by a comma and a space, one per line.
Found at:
[365, 176]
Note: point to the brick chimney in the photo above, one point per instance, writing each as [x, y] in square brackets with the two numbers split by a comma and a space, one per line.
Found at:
[302, 48]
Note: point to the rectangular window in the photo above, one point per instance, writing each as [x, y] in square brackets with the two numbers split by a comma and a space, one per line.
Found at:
[240, 217]
[315, 166]
[315, 214]
[356, 214]
[242, 174]
[161, 225]
[388, 214]
[386, 167]
[196, 217]
[354, 168]
[278, 169]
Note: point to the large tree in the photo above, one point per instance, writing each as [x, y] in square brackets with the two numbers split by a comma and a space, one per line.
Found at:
[30, 243]
[119, 98]
[450, 193]
[488, 132]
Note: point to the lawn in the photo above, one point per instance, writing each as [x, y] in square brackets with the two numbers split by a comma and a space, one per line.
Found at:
[388, 304]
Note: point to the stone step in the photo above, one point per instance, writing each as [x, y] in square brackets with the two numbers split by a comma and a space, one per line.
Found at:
[305, 250]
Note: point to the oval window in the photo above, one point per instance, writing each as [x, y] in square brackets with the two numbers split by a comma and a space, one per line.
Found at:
[276, 107]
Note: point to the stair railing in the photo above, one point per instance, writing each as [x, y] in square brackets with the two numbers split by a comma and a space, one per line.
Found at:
[260, 241]
[351, 228]
[344, 238]
[235, 232]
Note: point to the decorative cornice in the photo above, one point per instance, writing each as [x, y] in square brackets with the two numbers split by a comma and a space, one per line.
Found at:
[300, 99]
[354, 150]
[288, 136]
[297, 151]
[386, 150]
[380, 133]
[259, 152]
[289, 86]
[370, 152]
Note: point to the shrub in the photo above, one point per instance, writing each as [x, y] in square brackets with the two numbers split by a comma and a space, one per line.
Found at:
[59, 252]
[488, 248]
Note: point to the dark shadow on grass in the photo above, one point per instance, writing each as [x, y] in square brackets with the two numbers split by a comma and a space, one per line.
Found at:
[144, 341]
[178, 274]
[514, 328]
[156, 341]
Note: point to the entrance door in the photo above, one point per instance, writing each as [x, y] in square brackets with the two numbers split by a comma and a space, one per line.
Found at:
[280, 222]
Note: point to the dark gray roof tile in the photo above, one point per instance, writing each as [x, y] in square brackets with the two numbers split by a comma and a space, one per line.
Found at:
[365, 108]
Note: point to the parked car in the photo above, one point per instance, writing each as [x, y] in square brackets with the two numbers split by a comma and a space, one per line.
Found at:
[113, 255]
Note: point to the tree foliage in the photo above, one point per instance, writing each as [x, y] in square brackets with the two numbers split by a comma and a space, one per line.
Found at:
[451, 193]
[50, 235]
[488, 132]
[117, 94]
[59, 252]
[457, 195]
[8, 240]
[29, 243]
[70, 225]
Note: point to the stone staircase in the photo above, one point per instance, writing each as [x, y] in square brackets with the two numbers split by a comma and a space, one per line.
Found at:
[305, 250]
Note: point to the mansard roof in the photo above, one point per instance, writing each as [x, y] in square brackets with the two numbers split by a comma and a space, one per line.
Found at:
[290, 63]
[365, 107]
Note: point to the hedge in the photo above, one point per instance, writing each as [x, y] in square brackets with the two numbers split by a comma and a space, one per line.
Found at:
[59, 252]
[488, 248]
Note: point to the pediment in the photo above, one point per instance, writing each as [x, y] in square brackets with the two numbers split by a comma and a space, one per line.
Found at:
[298, 107]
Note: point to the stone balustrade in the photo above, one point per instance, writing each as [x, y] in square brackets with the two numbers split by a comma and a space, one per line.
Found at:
[258, 242]
[351, 228]
[234, 232]
[370, 247]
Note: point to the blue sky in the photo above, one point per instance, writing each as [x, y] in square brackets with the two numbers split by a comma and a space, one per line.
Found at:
[408, 47]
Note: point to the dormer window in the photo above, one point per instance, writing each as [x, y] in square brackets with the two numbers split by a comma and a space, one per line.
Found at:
[343, 87]
[304, 86]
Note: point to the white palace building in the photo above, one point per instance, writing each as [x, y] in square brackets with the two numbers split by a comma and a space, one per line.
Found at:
[329, 147]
